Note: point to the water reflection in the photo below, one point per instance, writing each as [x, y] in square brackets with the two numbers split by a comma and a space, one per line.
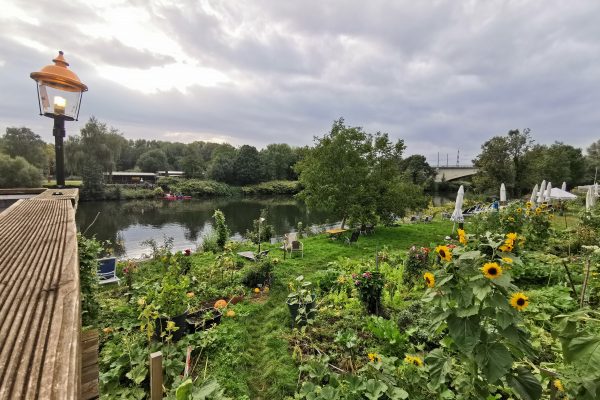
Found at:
[128, 223]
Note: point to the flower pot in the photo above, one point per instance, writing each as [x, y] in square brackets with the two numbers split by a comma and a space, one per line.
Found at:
[310, 311]
[203, 319]
[180, 322]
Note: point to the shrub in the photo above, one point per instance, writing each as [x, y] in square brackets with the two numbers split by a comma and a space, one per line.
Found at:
[199, 188]
[370, 286]
[327, 280]
[222, 232]
[415, 264]
[209, 242]
[266, 231]
[89, 251]
[17, 172]
[258, 273]
[273, 188]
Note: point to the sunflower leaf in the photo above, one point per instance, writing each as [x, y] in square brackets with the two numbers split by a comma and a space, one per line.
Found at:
[525, 384]
[464, 331]
[494, 359]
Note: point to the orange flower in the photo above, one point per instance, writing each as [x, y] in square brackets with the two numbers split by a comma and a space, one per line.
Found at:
[230, 314]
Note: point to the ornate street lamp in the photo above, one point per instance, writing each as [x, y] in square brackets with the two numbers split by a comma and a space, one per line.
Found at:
[59, 96]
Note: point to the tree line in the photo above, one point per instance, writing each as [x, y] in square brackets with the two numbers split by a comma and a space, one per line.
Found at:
[517, 161]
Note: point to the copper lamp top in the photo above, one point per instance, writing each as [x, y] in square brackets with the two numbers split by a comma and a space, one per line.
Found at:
[57, 75]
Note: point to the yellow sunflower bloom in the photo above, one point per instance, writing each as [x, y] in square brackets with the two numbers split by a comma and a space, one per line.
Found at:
[528, 204]
[374, 357]
[506, 248]
[429, 279]
[444, 252]
[519, 301]
[414, 360]
[511, 236]
[538, 211]
[519, 210]
[507, 260]
[462, 237]
[558, 385]
[491, 270]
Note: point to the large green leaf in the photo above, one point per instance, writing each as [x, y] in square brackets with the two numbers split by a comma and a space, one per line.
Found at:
[494, 359]
[184, 390]
[525, 384]
[439, 366]
[375, 389]
[585, 350]
[464, 331]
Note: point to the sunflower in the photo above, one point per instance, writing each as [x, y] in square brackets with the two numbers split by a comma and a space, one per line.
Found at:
[519, 301]
[538, 211]
[414, 360]
[511, 236]
[374, 357]
[519, 210]
[507, 260]
[506, 248]
[491, 270]
[462, 238]
[444, 252]
[558, 385]
[529, 204]
[429, 279]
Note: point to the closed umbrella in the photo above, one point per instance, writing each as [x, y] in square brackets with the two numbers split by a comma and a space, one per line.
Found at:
[595, 189]
[502, 193]
[457, 215]
[564, 186]
[592, 198]
[548, 191]
[534, 194]
[588, 199]
[540, 198]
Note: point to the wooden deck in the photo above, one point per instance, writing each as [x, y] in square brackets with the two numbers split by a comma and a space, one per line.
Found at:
[40, 316]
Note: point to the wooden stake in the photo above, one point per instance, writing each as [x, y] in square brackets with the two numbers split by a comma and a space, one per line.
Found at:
[156, 376]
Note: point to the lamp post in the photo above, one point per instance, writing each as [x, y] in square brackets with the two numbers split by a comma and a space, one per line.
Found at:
[59, 97]
[260, 221]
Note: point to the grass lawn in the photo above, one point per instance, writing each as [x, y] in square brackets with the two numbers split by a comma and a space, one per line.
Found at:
[67, 183]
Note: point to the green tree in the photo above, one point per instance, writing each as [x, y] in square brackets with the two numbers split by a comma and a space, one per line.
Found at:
[278, 160]
[17, 172]
[356, 175]
[417, 170]
[152, 161]
[592, 161]
[503, 160]
[23, 142]
[221, 167]
[247, 165]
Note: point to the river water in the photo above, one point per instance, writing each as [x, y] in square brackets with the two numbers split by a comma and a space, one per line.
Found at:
[126, 224]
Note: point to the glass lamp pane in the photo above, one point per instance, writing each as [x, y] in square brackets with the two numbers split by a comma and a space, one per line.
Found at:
[54, 101]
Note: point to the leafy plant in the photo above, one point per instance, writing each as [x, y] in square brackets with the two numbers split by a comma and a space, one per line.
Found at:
[370, 286]
[415, 264]
[88, 250]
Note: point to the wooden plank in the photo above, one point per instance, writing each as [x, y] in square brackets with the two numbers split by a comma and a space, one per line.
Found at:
[156, 376]
[39, 301]
[89, 365]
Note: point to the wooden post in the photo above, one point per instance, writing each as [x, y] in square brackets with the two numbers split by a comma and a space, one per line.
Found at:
[156, 376]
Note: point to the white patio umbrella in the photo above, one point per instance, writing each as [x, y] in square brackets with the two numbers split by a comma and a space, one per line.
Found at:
[540, 198]
[592, 198]
[548, 191]
[502, 193]
[595, 189]
[564, 186]
[560, 194]
[588, 199]
[534, 194]
[457, 215]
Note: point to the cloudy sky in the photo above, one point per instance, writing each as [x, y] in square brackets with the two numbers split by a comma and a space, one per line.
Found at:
[442, 75]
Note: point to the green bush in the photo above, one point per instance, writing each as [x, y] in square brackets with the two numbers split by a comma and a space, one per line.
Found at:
[17, 172]
[89, 251]
[199, 188]
[273, 188]
[221, 229]
[258, 273]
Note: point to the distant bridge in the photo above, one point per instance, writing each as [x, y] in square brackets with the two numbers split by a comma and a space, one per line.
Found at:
[451, 173]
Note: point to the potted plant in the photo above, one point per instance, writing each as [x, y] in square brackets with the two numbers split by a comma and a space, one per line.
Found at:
[301, 302]
[172, 303]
